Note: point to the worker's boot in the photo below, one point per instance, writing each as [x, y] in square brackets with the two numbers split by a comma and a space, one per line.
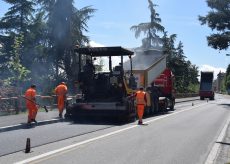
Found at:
[140, 122]
[60, 115]
[29, 125]
[33, 120]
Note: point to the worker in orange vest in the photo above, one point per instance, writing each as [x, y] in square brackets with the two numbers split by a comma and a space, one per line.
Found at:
[31, 106]
[141, 101]
[61, 91]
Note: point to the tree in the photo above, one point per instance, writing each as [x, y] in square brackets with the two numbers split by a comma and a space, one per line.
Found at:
[185, 73]
[18, 73]
[66, 25]
[17, 18]
[227, 78]
[218, 19]
[150, 29]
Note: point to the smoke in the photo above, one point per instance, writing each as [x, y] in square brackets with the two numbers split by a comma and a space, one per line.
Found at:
[143, 58]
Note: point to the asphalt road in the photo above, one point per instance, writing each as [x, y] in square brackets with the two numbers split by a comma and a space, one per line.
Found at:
[184, 136]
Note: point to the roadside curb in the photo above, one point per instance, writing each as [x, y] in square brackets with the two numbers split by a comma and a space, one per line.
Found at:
[25, 126]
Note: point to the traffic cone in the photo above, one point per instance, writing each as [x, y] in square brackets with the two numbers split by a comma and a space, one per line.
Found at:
[27, 145]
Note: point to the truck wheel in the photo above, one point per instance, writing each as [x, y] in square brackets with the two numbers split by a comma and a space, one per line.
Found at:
[67, 116]
[172, 104]
[165, 106]
[211, 98]
[201, 98]
[172, 107]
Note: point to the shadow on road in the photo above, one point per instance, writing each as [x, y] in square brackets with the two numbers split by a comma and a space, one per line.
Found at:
[223, 143]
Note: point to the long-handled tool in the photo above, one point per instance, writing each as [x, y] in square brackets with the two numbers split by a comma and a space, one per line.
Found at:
[36, 103]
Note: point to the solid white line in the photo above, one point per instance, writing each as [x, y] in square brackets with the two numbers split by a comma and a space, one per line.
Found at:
[11, 126]
[39, 157]
[216, 147]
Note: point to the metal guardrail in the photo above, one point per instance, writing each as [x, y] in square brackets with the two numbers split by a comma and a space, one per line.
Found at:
[15, 105]
[184, 95]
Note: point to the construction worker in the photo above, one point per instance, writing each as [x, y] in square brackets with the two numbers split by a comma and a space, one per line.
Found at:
[89, 67]
[61, 91]
[141, 101]
[31, 106]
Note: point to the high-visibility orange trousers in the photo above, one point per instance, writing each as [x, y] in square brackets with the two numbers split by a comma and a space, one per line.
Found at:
[32, 111]
[140, 111]
[61, 103]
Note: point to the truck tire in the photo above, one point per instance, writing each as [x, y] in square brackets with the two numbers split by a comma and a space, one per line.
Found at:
[67, 116]
[172, 106]
[165, 107]
[212, 98]
[201, 98]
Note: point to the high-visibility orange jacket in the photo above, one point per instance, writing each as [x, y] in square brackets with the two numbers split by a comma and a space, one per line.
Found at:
[141, 98]
[61, 91]
[30, 94]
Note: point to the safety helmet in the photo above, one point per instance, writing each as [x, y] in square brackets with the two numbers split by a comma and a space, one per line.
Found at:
[33, 86]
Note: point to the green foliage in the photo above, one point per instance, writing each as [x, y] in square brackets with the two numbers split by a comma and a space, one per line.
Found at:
[193, 88]
[218, 19]
[184, 71]
[38, 37]
[227, 82]
[227, 78]
[223, 88]
[18, 73]
[150, 29]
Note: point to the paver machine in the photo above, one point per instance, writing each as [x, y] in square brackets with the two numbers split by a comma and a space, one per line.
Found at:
[104, 92]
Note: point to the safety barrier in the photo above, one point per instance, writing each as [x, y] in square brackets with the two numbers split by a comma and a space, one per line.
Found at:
[184, 95]
[15, 105]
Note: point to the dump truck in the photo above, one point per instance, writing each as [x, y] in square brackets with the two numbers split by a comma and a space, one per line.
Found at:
[149, 67]
[206, 85]
[165, 84]
[104, 92]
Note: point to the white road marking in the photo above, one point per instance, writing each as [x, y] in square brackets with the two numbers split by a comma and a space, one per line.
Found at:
[67, 148]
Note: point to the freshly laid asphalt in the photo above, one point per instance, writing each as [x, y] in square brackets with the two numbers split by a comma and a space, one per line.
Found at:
[14, 122]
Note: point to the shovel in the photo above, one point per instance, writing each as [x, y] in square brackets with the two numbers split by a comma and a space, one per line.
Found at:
[36, 103]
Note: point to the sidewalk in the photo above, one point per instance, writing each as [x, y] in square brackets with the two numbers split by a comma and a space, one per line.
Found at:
[13, 122]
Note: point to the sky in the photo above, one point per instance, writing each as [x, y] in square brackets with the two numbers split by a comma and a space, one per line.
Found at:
[110, 26]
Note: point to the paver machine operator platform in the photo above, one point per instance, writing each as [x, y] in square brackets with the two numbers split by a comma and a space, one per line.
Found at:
[104, 91]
